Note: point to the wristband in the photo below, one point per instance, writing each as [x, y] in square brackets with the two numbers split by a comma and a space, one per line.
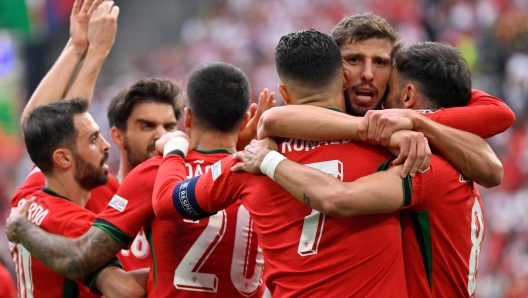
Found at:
[177, 143]
[270, 163]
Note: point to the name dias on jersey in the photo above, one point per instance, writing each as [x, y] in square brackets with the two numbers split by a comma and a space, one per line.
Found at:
[36, 213]
[291, 144]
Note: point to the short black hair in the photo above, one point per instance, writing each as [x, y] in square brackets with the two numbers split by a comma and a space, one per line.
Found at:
[153, 90]
[309, 57]
[219, 96]
[439, 70]
[50, 127]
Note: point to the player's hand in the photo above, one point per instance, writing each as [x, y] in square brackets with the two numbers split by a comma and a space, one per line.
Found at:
[16, 216]
[266, 101]
[414, 151]
[253, 156]
[103, 27]
[79, 20]
[377, 126]
[160, 143]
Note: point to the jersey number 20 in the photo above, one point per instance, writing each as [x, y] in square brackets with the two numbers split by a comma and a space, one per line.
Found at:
[188, 276]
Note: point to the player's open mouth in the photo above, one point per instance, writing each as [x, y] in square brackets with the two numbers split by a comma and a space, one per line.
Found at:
[364, 95]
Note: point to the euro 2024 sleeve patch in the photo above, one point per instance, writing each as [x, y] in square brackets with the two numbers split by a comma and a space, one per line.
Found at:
[118, 203]
[216, 169]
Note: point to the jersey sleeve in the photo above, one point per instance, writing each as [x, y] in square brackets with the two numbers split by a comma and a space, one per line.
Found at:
[33, 182]
[131, 206]
[101, 195]
[484, 115]
[204, 195]
[171, 171]
[423, 191]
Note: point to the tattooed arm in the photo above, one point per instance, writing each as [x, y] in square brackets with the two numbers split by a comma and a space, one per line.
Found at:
[72, 258]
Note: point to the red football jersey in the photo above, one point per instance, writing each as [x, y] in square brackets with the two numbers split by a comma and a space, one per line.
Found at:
[99, 196]
[217, 256]
[307, 254]
[443, 230]
[57, 215]
[139, 254]
[484, 115]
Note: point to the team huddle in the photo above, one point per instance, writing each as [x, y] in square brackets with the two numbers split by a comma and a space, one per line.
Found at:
[362, 185]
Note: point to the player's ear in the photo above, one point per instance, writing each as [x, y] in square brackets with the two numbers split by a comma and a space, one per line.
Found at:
[188, 117]
[63, 158]
[347, 80]
[411, 96]
[244, 122]
[285, 94]
[117, 137]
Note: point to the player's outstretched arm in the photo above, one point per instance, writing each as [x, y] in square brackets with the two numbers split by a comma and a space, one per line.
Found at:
[72, 258]
[468, 153]
[113, 282]
[321, 191]
[53, 86]
[101, 35]
[307, 123]
[484, 115]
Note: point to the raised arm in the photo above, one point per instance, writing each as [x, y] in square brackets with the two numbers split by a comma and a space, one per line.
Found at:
[72, 258]
[101, 35]
[249, 132]
[53, 86]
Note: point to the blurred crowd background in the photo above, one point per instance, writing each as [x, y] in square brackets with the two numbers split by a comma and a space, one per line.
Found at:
[168, 38]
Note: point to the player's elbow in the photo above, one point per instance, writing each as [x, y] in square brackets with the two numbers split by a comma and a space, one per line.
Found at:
[495, 176]
[267, 123]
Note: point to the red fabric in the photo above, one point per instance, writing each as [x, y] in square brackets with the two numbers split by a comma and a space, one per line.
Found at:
[7, 286]
[137, 258]
[348, 257]
[58, 216]
[484, 115]
[456, 222]
[99, 197]
[176, 243]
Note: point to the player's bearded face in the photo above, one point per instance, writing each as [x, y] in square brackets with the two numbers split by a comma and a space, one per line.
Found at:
[137, 155]
[88, 175]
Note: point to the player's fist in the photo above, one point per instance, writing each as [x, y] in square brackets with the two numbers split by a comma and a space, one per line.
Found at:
[17, 215]
[161, 142]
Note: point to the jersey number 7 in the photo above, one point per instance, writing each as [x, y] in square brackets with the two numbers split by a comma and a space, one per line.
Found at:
[313, 224]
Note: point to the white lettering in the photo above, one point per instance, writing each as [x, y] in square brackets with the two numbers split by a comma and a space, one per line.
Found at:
[198, 171]
[286, 144]
[36, 213]
[189, 170]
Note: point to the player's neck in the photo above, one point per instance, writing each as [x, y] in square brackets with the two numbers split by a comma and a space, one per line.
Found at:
[323, 100]
[124, 167]
[207, 140]
[65, 185]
